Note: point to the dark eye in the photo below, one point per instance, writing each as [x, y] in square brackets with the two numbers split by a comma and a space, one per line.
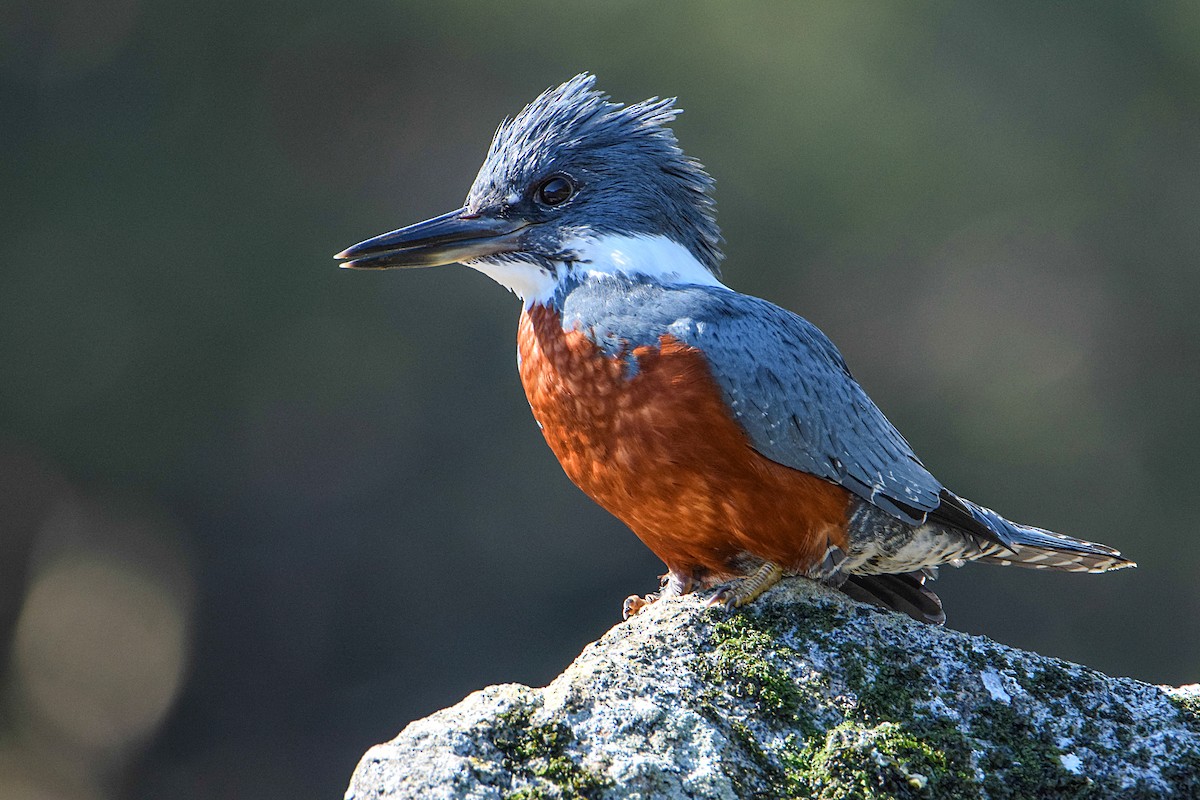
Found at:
[555, 190]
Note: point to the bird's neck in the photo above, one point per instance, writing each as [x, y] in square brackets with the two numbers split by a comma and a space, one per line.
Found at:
[655, 258]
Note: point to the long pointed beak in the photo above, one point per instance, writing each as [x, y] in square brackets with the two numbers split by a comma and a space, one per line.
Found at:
[457, 236]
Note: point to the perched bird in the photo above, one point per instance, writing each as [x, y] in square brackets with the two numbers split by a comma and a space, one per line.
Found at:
[726, 432]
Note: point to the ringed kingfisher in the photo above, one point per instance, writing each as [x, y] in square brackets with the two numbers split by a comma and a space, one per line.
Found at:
[725, 431]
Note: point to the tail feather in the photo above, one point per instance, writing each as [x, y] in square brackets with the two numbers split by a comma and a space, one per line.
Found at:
[1048, 550]
[905, 592]
[1010, 543]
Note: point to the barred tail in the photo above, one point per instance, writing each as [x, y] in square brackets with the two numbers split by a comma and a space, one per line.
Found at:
[1042, 549]
[1010, 543]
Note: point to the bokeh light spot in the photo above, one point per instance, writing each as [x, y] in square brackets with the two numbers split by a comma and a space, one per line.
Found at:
[99, 650]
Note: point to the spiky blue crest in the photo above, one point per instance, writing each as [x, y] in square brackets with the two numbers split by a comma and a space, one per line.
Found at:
[632, 176]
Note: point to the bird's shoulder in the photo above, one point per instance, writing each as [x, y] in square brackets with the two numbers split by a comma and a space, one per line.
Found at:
[619, 314]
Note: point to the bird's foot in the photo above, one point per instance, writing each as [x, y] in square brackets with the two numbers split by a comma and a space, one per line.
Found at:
[739, 592]
[634, 604]
[670, 585]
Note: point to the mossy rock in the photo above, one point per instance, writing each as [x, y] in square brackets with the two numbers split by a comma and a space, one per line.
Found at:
[805, 694]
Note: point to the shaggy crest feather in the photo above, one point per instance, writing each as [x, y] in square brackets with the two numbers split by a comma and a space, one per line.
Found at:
[577, 129]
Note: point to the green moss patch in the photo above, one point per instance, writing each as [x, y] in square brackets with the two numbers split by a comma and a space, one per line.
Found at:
[1189, 708]
[888, 687]
[861, 762]
[538, 753]
[889, 741]
[881, 749]
[1023, 761]
[744, 664]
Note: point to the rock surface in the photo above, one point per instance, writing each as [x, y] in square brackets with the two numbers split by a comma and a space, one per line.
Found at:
[804, 694]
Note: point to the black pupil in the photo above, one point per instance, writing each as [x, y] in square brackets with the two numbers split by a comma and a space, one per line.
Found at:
[555, 191]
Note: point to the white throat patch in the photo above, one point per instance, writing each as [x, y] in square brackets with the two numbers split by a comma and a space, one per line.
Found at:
[655, 257]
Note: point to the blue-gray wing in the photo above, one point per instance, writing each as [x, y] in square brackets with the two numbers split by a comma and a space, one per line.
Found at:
[784, 382]
[788, 386]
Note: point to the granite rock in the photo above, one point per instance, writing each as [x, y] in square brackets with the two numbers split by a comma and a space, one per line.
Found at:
[804, 694]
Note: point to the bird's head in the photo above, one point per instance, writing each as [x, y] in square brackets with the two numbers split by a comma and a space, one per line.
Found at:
[575, 182]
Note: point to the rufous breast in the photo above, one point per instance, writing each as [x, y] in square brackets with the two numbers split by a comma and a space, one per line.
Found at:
[653, 443]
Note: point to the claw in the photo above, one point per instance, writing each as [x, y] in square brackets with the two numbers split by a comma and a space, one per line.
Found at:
[725, 596]
[671, 585]
[742, 591]
[634, 604]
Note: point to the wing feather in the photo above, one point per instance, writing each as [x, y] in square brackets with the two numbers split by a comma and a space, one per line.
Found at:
[784, 382]
[809, 412]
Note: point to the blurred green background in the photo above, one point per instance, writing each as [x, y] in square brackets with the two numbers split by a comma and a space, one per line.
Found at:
[257, 513]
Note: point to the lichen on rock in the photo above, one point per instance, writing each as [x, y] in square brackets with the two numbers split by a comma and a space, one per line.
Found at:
[805, 694]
